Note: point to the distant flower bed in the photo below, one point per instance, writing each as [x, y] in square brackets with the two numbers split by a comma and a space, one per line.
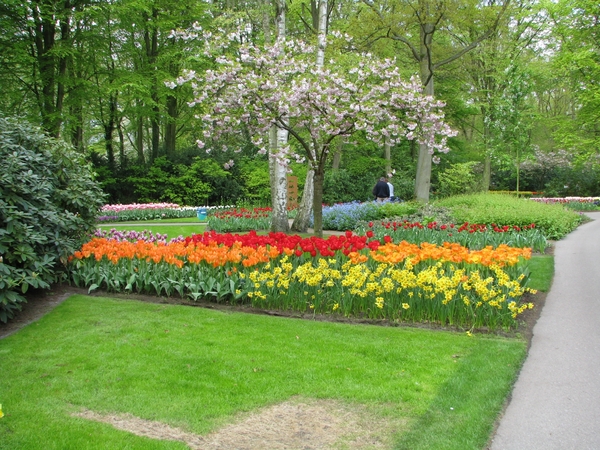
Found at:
[576, 203]
[138, 206]
[150, 211]
[469, 235]
[567, 200]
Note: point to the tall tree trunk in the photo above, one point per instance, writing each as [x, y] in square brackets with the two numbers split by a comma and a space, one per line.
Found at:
[122, 157]
[423, 177]
[278, 139]
[388, 157]
[63, 62]
[337, 156]
[77, 127]
[308, 202]
[318, 201]
[44, 38]
[109, 128]
[487, 163]
[302, 220]
[155, 124]
[139, 141]
[171, 125]
[151, 42]
[278, 178]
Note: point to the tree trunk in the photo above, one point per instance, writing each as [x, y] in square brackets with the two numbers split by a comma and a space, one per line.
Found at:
[423, 177]
[171, 125]
[302, 220]
[388, 157]
[278, 139]
[122, 157]
[318, 202]
[77, 126]
[151, 42]
[278, 178]
[108, 137]
[487, 163]
[155, 123]
[487, 172]
[308, 203]
[139, 141]
[44, 37]
[337, 157]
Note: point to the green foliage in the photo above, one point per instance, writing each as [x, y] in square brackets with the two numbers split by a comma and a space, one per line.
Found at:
[257, 186]
[342, 186]
[201, 182]
[48, 204]
[404, 185]
[393, 209]
[458, 179]
[554, 220]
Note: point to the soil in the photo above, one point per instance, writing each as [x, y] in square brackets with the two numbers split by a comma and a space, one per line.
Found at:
[297, 424]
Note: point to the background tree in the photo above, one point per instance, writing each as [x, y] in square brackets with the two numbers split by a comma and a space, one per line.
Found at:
[415, 24]
[576, 26]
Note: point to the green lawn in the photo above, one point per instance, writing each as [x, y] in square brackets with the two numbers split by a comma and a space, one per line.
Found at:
[172, 231]
[542, 272]
[159, 221]
[196, 368]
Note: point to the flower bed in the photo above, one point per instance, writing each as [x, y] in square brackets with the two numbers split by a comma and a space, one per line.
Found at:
[473, 236]
[575, 203]
[131, 235]
[150, 211]
[553, 200]
[240, 219]
[350, 275]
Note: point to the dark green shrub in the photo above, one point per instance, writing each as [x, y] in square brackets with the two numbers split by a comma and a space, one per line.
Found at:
[341, 186]
[48, 204]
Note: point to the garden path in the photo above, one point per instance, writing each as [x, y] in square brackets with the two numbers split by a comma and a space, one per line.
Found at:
[555, 403]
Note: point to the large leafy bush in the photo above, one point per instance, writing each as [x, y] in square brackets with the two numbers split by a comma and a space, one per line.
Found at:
[458, 179]
[48, 203]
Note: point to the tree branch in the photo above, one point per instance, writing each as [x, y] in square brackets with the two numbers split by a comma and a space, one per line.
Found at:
[476, 42]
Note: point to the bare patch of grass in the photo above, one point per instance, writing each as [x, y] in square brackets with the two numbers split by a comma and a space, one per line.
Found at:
[294, 424]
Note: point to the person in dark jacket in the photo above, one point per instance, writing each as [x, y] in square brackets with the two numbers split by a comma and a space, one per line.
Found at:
[381, 191]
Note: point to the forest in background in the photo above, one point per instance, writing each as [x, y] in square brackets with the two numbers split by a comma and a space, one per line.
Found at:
[520, 80]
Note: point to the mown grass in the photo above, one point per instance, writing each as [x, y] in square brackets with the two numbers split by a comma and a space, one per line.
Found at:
[196, 368]
[541, 268]
[188, 220]
[172, 231]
